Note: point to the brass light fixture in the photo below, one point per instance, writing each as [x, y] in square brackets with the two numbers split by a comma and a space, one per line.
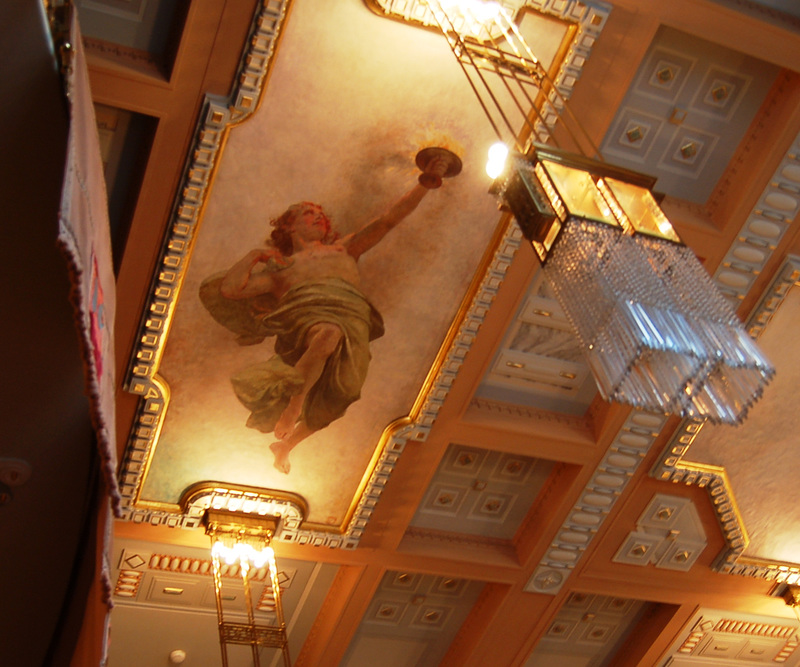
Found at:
[656, 332]
[241, 544]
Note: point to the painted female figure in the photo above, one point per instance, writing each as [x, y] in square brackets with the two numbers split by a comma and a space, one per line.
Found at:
[304, 288]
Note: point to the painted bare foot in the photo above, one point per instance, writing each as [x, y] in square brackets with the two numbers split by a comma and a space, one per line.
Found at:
[281, 451]
[287, 422]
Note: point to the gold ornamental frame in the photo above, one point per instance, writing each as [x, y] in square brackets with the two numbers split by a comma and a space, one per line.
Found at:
[675, 466]
[218, 116]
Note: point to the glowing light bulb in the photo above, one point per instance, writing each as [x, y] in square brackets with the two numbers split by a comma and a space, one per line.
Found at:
[498, 153]
[261, 558]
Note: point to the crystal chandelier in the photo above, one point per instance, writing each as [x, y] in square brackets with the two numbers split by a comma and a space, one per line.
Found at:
[656, 332]
[242, 542]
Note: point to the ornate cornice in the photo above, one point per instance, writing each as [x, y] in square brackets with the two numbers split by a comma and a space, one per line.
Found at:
[487, 406]
[762, 231]
[218, 116]
[597, 499]
[674, 466]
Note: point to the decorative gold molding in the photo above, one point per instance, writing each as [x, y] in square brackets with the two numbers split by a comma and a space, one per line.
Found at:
[203, 496]
[753, 629]
[607, 484]
[217, 118]
[762, 231]
[486, 406]
[127, 584]
[673, 466]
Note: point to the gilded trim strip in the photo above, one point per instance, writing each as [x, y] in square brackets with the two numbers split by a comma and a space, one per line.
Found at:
[673, 466]
[218, 116]
[763, 229]
[609, 481]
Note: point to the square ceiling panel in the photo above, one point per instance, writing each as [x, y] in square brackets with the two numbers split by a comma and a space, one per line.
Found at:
[480, 492]
[587, 631]
[411, 620]
[686, 112]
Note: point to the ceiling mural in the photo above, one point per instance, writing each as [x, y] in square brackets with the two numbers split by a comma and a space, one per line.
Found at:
[344, 157]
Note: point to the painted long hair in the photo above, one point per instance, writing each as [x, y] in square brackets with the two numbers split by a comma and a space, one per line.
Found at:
[281, 236]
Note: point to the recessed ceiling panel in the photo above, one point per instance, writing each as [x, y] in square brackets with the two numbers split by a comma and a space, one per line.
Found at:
[686, 112]
[539, 362]
[587, 631]
[481, 492]
[411, 620]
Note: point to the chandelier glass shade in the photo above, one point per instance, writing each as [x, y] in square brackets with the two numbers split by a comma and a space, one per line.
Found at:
[656, 332]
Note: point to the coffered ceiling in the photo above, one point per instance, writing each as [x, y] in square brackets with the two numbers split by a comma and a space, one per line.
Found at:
[686, 112]
[479, 504]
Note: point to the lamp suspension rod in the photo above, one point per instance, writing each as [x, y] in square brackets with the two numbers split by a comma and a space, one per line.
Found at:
[218, 598]
[245, 569]
[455, 40]
[483, 104]
[536, 78]
[554, 88]
[528, 125]
[276, 592]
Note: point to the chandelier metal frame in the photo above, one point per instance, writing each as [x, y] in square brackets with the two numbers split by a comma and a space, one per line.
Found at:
[245, 540]
[654, 329]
